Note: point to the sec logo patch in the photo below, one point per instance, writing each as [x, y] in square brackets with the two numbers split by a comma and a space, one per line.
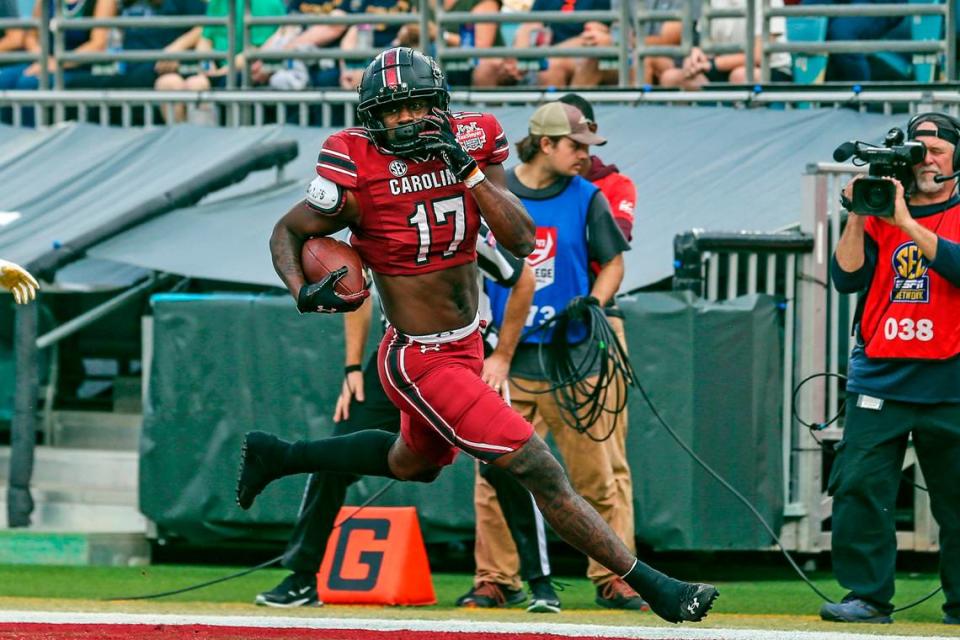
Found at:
[398, 168]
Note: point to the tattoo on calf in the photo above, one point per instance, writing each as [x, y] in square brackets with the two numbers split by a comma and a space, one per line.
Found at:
[568, 513]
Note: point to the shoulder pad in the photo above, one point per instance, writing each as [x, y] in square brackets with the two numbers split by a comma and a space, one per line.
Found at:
[325, 196]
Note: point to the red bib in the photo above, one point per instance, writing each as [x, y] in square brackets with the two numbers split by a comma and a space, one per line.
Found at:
[911, 312]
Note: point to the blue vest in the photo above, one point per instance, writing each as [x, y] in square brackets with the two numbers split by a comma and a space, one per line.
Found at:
[559, 261]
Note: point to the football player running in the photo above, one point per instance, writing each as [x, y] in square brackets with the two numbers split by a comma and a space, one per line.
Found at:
[412, 184]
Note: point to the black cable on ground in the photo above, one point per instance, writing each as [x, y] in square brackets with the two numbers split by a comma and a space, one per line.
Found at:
[612, 361]
[739, 496]
[201, 585]
[729, 487]
[379, 492]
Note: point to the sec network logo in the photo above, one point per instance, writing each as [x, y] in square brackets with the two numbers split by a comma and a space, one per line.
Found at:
[910, 282]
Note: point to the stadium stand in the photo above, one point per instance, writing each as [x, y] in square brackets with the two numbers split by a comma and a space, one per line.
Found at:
[509, 61]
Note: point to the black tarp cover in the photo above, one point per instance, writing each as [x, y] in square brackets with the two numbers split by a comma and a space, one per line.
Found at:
[64, 184]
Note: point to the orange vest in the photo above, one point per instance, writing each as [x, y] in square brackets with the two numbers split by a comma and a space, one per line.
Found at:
[911, 312]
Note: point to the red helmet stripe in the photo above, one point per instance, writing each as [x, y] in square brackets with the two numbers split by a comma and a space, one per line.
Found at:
[391, 60]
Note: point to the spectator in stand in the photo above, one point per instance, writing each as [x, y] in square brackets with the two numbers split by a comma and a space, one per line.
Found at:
[663, 34]
[26, 77]
[298, 74]
[482, 72]
[497, 72]
[569, 72]
[214, 38]
[10, 39]
[134, 75]
[699, 68]
[855, 67]
[372, 35]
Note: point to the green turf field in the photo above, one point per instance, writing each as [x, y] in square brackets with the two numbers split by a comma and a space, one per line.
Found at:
[766, 602]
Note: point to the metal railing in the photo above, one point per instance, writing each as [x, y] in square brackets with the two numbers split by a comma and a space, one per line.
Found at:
[946, 46]
[317, 108]
[684, 16]
[620, 52]
[626, 53]
[421, 18]
[59, 24]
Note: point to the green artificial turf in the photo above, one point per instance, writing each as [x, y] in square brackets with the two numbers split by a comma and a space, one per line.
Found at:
[761, 596]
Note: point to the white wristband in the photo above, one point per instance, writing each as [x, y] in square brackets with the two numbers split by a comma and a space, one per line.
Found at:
[476, 177]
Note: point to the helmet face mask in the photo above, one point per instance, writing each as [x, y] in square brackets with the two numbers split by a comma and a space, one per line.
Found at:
[397, 75]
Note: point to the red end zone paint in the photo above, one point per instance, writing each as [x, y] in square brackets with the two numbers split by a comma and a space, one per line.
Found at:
[32, 631]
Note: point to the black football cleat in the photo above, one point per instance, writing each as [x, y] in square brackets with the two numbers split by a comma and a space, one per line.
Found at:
[296, 590]
[261, 462]
[697, 602]
[690, 604]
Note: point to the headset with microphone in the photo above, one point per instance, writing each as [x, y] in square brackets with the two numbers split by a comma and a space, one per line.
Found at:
[948, 129]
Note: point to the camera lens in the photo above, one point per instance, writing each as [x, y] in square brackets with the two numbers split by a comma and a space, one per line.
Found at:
[876, 197]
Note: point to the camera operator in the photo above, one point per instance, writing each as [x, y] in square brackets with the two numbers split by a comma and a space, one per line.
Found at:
[904, 377]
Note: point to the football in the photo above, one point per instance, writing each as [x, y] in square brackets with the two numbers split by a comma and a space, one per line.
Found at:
[321, 256]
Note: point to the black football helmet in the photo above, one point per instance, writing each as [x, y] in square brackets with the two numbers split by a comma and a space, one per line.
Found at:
[399, 74]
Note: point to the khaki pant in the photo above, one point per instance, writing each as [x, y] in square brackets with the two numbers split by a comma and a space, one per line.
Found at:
[598, 471]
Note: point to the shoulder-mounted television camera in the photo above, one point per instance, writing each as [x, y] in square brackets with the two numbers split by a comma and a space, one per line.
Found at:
[873, 195]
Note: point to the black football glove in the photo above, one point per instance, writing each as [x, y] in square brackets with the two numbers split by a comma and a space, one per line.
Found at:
[440, 140]
[320, 297]
[578, 308]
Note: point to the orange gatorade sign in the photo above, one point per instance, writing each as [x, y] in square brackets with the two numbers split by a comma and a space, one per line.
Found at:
[376, 557]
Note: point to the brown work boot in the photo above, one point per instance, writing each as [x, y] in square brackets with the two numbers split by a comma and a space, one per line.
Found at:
[490, 594]
[617, 594]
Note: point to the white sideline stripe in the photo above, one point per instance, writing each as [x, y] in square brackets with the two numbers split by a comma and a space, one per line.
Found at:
[439, 626]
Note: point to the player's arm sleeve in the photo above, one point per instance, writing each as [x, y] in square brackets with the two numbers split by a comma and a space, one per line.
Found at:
[497, 264]
[605, 241]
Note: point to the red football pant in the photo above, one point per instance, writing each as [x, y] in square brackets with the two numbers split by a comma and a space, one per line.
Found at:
[444, 404]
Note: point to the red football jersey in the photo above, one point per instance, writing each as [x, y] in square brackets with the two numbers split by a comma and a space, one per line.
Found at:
[415, 217]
